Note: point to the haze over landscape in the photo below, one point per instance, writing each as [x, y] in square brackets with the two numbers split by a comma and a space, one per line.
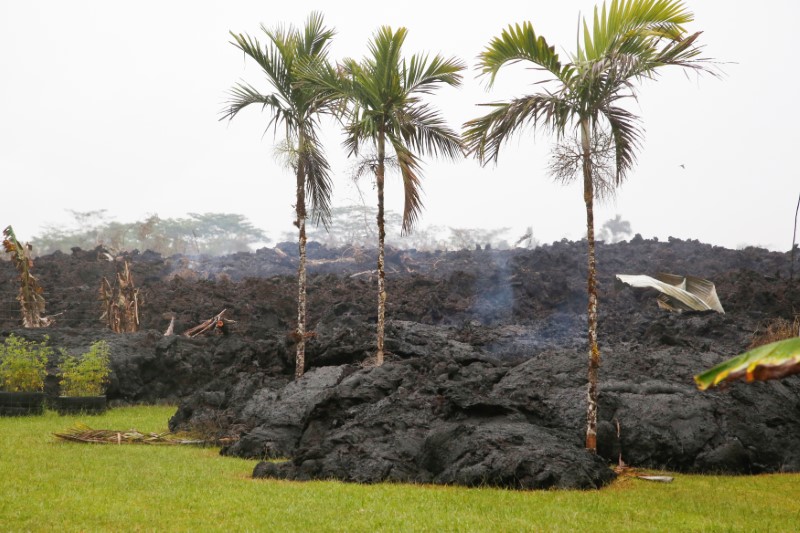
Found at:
[110, 106]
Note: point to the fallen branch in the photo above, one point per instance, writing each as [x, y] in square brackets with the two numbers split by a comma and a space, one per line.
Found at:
[218, 324]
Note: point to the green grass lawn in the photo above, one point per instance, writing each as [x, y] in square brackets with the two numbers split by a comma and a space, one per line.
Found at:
[49, 485]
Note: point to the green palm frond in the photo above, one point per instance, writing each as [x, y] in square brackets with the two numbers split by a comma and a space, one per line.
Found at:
[771, 361]
[422, 76]
[274, 67]
[243, 95]
[316, 37]
[520, 43]
[632, 26]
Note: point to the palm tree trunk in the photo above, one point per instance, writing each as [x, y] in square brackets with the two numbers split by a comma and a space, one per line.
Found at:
[594, 350]
[300, 359]
[379, 178]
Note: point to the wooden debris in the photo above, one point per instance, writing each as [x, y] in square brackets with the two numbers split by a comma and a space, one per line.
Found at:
[217, 324]
[624, 471]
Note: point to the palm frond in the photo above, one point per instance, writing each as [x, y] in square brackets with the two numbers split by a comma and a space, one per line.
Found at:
[625, 130]
[632, 26]
[409, 171]
[423, 77]
[484, 136]
[243, 95]
[368, 166]
[272, 60]
[319, 185]
[519, 42]
[316, 37]
[425, 130]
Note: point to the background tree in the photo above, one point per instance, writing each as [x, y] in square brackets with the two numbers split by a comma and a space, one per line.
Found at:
[471, 238]
[198, 233]
[615, 230]
[628, 41]
[296, 107]
[384, 110]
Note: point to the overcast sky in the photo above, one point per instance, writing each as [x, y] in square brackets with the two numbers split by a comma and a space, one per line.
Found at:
[116, 106]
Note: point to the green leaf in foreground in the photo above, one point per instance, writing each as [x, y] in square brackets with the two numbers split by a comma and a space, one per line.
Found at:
[771, 361]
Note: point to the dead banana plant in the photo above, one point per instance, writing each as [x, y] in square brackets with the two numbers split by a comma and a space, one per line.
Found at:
[31, 295]
[121, 301]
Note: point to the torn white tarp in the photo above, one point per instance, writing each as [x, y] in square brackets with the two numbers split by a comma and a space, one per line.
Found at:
[678, 293]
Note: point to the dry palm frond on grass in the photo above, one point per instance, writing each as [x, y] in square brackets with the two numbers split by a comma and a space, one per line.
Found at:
[121, 302]
[83, 433]
[31, 296]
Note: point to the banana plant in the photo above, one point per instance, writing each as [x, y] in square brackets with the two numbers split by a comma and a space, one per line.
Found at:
[31, 295]
[770, 361]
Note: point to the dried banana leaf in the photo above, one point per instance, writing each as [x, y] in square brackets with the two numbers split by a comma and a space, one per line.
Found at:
[678, 293]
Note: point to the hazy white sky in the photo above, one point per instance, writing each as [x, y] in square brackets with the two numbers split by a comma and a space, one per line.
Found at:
[112, 105]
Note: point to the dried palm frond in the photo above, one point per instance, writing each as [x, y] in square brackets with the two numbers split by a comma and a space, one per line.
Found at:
[82, 433]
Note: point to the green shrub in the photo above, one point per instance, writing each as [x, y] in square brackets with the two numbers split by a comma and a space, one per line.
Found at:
[88, 374]
[23, 364]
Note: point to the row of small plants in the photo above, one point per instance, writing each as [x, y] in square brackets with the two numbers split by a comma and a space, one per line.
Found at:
[23, 369]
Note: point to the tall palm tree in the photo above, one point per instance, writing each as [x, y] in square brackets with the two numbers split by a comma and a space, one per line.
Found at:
[384, 112]
[296, 108]
[629, 41]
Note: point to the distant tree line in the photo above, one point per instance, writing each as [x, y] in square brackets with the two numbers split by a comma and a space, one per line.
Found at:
[354, 225]
[206, 233]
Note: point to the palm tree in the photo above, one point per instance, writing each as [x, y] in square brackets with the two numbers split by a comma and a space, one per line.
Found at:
[629, 41]
[383, 108]
[296, 108]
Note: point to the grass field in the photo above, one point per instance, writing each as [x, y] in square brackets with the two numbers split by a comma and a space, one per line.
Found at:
[48, 485]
